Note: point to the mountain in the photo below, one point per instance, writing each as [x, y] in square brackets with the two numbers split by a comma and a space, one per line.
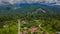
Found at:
[29, 9]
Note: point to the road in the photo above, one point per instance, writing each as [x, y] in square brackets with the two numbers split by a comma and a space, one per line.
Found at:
[18, 26]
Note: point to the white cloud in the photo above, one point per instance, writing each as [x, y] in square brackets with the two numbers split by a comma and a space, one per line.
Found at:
[22, 1]
[28, 1]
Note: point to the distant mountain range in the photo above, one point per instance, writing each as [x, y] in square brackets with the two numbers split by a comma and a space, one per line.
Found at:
[28, 8]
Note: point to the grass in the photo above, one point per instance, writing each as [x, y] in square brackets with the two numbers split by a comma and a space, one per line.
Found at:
[9, 30]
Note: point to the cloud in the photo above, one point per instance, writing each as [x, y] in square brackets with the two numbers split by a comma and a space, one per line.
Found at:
[21, 1]
[27, 1]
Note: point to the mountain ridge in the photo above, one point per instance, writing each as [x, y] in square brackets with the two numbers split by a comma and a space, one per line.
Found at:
[8, 9]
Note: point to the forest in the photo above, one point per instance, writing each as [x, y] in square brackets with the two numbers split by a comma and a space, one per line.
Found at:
[47, 22]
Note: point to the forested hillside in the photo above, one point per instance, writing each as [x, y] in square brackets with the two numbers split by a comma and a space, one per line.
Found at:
[46, 19]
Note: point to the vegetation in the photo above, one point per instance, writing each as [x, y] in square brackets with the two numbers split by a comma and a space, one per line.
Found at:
[49, 23]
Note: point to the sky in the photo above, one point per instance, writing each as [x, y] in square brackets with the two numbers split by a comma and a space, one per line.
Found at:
[22, 1]
[27, 1]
